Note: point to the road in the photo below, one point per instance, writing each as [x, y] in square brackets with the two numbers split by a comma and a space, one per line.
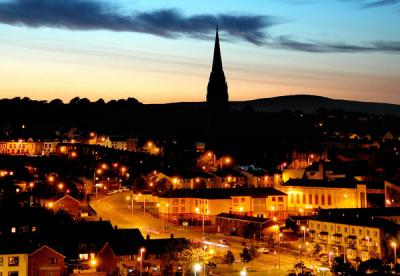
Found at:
[117, 209]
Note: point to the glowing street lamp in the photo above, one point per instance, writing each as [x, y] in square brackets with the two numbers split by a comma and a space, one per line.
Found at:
[197, 268]
[394, 245]
[142, 250]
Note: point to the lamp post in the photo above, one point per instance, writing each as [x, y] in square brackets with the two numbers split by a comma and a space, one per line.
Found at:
[394, 245]
[300, 252]
[131, 199]
[142, 250]
[197, 268]
[279, 250]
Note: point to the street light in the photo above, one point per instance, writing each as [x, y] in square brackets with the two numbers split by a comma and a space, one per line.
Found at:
[394, 245]
[130, 198]
[142, 250]
[197, 268]
[279, 250]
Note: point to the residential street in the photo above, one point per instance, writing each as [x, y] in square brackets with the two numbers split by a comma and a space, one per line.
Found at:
[117, 209]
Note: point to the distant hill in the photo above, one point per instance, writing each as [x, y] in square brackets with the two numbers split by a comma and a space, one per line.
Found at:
[305, 103]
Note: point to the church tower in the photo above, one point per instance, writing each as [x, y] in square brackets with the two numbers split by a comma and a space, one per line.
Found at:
[217, 89]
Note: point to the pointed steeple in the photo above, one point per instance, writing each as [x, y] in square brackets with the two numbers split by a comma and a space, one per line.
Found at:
[217, 60]
[217, 89]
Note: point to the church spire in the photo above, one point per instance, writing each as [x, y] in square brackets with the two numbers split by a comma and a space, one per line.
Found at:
[217, 60]
[217, 89]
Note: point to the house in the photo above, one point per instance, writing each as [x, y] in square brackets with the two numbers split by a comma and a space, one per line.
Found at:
[119, 142]
[13, 259]
[229, 178]
[66, 203]
[158, 254]
[46, 261]
[192, 205]
[234, 224]
[126, 245]
[258, 177]
[353, 234]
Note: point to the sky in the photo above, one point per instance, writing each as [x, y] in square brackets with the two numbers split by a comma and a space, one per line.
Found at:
[160, 51]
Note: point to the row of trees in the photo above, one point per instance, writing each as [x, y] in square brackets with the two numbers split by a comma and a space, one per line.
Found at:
[341, 267]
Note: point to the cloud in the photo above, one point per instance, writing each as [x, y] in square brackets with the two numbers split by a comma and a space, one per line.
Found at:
[323, 47]
[171, 23]
[96, 15]
[375, 3]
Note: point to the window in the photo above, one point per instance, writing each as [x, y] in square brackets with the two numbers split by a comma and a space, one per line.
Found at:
[13, 229]
[375, 233]
[1, 261]
[291, 198]
[52, 260]
[310, 199]
[235, 200]
[83, 256]
[242, 199]
[280, 199]
[13, 261]
[175, 210]
[323, 200]
[345, 229]
[182, 201]
[175, 202]
[352, 230]
[298, 198]
[197, 202]
[360, 231]
[316, 199]
[13, 273]
[182, 209]
[273, 198]
[304, 199]
[368, 233]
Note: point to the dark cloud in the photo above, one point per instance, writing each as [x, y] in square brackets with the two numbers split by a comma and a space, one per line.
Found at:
[92, 15]
[321, 47]
[171, 23]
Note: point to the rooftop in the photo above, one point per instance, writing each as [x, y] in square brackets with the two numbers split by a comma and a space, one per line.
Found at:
[245, 218]
[328, 183]
[222, 193]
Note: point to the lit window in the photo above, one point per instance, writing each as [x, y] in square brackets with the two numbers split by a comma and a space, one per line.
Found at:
[13, 229]
[52, 260]
[84, 256]
[13, 261]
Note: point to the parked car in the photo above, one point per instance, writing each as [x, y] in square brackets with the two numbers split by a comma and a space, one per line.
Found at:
[224, 242]
[263, 250]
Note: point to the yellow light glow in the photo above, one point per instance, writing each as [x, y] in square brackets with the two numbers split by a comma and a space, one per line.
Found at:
[104, 166]
[51, 178]
[393, 244]
[241, 208]
[51, 204]
[74, 154]
[93, 262]
[99, 171]
[60, 186]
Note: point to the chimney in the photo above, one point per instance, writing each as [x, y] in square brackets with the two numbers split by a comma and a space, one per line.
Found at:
[116, 227]
[172, 236]
[147, 237]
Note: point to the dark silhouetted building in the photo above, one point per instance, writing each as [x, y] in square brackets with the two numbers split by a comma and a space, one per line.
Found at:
[217, 89]
[217, 102]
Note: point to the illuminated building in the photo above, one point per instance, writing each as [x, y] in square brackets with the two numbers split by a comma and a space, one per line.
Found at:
[308, 194]
[353, 233]
[190, 204]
